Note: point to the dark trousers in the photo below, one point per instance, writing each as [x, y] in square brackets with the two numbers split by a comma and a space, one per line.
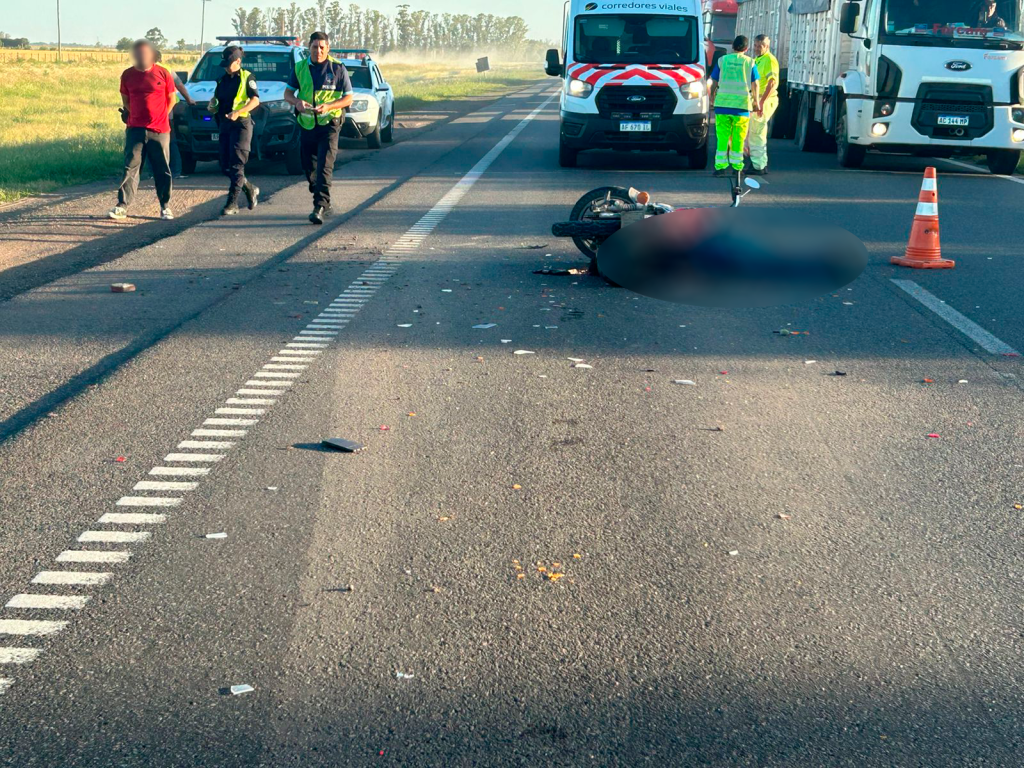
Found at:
[235, 142]
[318, 148]
[157, 148]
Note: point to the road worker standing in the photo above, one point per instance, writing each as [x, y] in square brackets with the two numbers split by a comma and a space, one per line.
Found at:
[767, 101]
[236, 96]
[733, 94]
[319, 89]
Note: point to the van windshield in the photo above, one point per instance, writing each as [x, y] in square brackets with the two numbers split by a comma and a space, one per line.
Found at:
[636, 39]
[264, 65]
[966, 20]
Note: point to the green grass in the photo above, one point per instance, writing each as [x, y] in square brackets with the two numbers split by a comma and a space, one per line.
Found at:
[59, 123]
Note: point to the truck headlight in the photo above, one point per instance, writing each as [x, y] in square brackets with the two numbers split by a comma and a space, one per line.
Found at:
[694, 90]
[1017, 134]
[580, 88]
[278, 106]
[879, 129]
[359, 105]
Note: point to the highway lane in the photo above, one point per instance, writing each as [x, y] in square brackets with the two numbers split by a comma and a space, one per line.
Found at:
[878, 625]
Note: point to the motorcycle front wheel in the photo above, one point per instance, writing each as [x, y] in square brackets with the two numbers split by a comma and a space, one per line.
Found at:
[593, 230]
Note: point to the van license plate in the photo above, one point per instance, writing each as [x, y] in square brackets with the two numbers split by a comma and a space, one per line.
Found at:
[954, 120]
[634, 126]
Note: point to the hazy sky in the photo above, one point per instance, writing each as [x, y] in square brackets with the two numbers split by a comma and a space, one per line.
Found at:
[86, 21]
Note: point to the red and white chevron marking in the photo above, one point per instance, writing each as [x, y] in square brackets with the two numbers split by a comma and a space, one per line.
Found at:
[635, 74]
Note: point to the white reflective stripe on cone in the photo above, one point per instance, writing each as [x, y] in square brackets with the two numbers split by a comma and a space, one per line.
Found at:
[928, 185]
[927, 209]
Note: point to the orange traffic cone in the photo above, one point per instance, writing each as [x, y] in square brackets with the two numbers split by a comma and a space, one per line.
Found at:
[923, 247]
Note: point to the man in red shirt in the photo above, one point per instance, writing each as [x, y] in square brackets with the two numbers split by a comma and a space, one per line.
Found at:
[147, 93]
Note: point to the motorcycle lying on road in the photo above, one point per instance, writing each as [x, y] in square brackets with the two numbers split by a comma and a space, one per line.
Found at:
[602, 212]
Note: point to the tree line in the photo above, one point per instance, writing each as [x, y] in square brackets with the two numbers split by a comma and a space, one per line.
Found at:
[6, 41]
[406, 30]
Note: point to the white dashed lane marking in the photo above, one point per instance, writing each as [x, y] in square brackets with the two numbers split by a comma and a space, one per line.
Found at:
[272, 380]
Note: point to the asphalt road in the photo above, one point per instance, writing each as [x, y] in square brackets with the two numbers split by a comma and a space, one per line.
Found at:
[818, 583]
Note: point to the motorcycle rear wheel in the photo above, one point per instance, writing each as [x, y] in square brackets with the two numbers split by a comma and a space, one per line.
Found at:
[589, 239]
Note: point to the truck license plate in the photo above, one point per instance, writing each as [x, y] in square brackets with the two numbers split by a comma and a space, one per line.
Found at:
[954, 120]
[633, 126]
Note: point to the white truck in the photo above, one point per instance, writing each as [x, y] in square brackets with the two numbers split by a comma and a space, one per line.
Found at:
[633, 78]
[925, 77]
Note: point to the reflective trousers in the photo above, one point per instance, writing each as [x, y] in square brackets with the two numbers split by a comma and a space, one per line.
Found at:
[758, 137]
[730, 134]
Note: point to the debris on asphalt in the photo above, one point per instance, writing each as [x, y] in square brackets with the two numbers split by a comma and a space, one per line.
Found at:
[927, 381]
[534, 247]
[934, 435]
[506, 341]
[559, 272]
[810, 362]
[723, 373]
[577, 556]
[405, 325]
[216, 535]
[962, 381]
[523, 352]
[838, 373]
[121, 459]
[341, 444]
[581, 365]
[733, 552]
[575, 359]
[784, 516]
[787, 332]
[446, 290]
[404, 675]
[384, 428]
[271, 487]
[238, 690]
[517, 487]
[554, 576]
[484, 326]
[122, 287]
[687, 382]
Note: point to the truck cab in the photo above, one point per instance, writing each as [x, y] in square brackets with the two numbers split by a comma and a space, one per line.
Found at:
[719, 28]
[633, 78]
[271, 60]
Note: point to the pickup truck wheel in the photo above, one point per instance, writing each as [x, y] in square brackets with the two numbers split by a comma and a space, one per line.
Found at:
[293, 161]
[373, 140]
[388, 134]
[567, 156]
[698, 158]
[849, 155]
[188, 163]
[1002, 162]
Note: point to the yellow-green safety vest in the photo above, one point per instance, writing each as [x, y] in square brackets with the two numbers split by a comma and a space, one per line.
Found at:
[767, 69]
[242, 95]
[734, 81]
[306, 93]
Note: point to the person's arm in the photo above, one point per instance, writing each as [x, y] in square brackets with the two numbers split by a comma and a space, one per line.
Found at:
[348, 96]
[180, 88]
[754, 100]
[713, 86]
[169, 90]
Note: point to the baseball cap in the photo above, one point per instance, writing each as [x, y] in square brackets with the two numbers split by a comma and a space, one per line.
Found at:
[230, 54]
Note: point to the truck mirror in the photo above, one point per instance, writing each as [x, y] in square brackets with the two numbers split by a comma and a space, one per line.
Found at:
[553, 63]
[848, 17]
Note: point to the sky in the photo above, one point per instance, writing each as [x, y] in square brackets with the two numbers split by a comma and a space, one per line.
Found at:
[106, 21]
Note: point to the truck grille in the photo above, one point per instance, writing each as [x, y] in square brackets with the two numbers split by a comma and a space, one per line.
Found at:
[937, 100]
[616, 99]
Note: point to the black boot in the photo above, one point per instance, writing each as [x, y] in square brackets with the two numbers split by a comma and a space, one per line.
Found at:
[252, 194]
[231, 208]
[317, 216]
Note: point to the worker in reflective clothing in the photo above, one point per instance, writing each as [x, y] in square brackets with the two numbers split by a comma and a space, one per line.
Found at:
[236, 96]
[767, 67]
[319, 89]
[733, 94]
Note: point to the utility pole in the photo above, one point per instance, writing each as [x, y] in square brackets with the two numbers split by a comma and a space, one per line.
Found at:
[202, 28]
[59, 56]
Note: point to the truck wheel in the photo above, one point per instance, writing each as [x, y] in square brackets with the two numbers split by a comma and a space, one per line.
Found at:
[849, 155]
[698, 158]
[810, 135]
[1002, 162]
[188, 163]
[293, 161]
[373, 139]
[388, 134]
[567, 156]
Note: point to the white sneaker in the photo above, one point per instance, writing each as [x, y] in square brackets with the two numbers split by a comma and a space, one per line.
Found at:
[166, 214]
[118, 212]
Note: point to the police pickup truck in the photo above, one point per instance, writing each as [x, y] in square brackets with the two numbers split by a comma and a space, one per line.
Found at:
[275, 131]
[372, 114]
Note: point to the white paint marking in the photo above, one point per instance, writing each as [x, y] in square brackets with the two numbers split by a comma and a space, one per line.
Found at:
[18, 656]
[295, 343]
[5, 683]
[259, 392]
[257, 383]
[131, 518]
[968, 327]
[92, 556]
[193, 457]
[210, 443]
[277, 375]
[164, 485]
[179, 471]
[80, 578]
[312, 353]
[28, 627]
[44, 602]
[241, 411]
[218, 432]
[113, 537]
[148, 501]
[979, 169]
[284, 367]
[250, 401]
[231, 422]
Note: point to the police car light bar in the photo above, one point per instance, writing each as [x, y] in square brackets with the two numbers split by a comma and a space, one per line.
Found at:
[366, 51]
[258, 39]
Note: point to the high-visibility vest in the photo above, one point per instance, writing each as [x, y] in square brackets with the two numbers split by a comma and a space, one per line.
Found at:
[734, 81]
[767, 69]
[305, 78]
[242, 95]
[170, 75]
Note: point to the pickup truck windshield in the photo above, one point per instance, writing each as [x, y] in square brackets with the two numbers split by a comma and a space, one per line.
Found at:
[360, 77]
[987, 20]
[264, 65]
[636, 39]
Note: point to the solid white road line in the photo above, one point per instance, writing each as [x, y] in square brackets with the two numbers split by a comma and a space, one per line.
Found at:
[979, 169]
[968, 327]
[18, 655]
[86, 578]
[44, 602]
[148, 501]
[113, 537]
[93, 556]
[28, 627]
[131, 518]
[193, 457]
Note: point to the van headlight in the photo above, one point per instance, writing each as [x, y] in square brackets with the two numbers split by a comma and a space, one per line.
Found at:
[580, 88]
[278, 106]
[694, 90]
[359, 105]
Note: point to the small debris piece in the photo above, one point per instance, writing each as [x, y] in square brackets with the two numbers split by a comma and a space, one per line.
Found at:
[120, 459]
[446, 290]
[484, 326]
[523, 352]
[933, 435]
[1018, 506]
[534, 247]
[404, 675]
[685, 381]
[122, 287]
[723, 373]
[216, 535]
[520, 575]
[733, 552]
[506, 341]
[341, 444]
[784, 516]
[577, 556]
[810, 362]
[838, 373]
[516, 487]
[384, 428]
[238, 690]
[575, 359]
[443, 519]
[412, 413]
[555, 576]
[928, 381]
[581, 365]
[271, 487]
[405, 325]
[962, 381]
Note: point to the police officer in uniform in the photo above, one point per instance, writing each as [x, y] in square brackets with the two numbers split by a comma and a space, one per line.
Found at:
[236, 96]
[319, 89]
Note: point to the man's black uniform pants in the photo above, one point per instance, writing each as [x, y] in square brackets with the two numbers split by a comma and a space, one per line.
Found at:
[235, 140]
[318, 148]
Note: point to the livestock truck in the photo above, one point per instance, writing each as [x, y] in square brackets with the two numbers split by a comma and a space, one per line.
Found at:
[924, 77]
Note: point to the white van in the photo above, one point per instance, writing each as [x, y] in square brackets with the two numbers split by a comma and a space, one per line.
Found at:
[633, 79]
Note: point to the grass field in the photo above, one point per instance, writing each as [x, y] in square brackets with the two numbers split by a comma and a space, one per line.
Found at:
[59, 123]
